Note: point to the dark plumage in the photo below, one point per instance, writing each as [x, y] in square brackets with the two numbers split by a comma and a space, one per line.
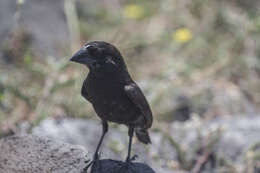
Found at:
[112, 92]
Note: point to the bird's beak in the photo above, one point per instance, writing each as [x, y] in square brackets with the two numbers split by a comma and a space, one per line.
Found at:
[83, 57]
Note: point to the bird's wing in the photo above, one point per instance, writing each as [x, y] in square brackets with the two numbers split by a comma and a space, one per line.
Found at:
[137, 97]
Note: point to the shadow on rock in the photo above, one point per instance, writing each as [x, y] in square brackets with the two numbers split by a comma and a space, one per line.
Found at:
[114, 166]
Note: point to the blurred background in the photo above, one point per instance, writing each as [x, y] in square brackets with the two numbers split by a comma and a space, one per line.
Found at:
[197, 61]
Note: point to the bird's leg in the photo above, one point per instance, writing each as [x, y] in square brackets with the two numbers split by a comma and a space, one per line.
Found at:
[128, 160]
[96, 156]
[131, 134]
[105, 129]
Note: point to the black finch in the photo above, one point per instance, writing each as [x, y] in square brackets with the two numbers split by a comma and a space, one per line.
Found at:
[113, 93]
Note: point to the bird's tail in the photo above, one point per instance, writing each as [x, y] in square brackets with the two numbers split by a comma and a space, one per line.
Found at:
[143, 135]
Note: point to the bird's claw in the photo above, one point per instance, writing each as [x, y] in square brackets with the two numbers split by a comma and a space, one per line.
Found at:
[132, 158]
[88, 165]
[95, 159]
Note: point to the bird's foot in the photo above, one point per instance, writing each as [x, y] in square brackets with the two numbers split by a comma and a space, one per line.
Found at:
[94, 160]
[129, 160]
[127, 164]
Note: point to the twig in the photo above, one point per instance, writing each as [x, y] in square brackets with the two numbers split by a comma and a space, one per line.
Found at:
[181, 154]
[203, 159]
[207, 151]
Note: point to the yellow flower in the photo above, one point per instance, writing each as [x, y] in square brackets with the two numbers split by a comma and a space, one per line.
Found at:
[20, 2]
[133, 11]
[250, 154]
[182, 35]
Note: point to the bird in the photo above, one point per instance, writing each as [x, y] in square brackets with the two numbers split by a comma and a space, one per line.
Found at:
[113, 93]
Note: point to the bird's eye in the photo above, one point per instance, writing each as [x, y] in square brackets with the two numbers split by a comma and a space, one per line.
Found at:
[91, 49]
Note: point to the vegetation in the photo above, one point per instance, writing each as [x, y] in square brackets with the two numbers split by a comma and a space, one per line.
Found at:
[195, 57]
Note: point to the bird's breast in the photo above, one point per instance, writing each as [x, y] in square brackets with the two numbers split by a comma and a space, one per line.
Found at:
[111, 102]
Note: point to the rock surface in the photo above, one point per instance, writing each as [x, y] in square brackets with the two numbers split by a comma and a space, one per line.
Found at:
[32, 154]
[44, 20]
[87, 133]
[236, 135]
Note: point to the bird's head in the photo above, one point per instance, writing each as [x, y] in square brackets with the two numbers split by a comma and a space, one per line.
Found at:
[99, 55]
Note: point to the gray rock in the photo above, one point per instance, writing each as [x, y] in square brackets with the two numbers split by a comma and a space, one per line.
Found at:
[237, 135]
[32, 154]
[83, 132]
[7, 11]
[87, 132]
[44, 20]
